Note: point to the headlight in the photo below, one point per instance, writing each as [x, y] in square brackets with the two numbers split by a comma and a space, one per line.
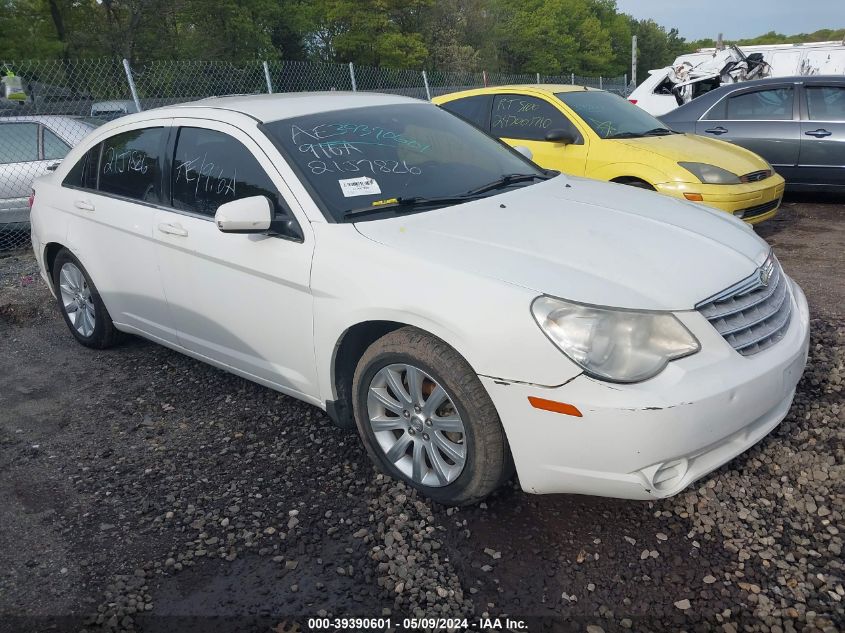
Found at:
[710, 174]
[612, 344]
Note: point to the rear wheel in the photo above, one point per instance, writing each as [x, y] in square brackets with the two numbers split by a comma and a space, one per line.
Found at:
[426, 419]
[80, 303]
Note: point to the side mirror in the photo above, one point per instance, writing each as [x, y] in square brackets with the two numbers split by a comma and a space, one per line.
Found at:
[565, 137]
[524, 151]
[247, 215]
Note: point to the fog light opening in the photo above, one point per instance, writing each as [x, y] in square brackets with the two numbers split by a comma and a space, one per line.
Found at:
[669, 474]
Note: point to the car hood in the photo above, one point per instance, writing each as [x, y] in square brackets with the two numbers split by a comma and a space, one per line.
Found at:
[698, 149]
[583, 240]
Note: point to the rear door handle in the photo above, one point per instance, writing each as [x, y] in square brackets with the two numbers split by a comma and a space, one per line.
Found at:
[172, 229]
[84, 205]
[820, 133]
[717, 130]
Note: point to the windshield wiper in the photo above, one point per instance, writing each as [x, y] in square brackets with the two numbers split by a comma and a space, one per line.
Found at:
[624, 135]
[506, 181]
[397, 204]
[659, 131]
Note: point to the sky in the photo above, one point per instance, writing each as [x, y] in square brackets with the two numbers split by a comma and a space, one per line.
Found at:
[737, 19]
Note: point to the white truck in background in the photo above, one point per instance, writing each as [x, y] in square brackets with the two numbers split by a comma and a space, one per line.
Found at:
[693, 74]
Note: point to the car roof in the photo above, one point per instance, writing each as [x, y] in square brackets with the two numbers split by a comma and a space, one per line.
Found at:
[805, 79]
[549, 89]
[274, 107]
[70, 129]
[49, 120]
[694, 109]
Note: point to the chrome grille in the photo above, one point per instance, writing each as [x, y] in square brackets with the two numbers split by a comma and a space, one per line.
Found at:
[752, 315]
[755, 176]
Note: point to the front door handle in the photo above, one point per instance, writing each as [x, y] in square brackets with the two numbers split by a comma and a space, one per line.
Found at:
[84, 205]
[820, 133]
[172, 229]
[717, 130]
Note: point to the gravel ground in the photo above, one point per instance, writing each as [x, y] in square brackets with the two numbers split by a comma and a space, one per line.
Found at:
[145, 491]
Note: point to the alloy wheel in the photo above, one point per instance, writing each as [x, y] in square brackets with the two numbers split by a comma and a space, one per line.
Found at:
[76, 299]
[417, 425]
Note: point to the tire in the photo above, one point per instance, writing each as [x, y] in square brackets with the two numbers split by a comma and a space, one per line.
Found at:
[451, 449]
[635, 182]
[80, 304]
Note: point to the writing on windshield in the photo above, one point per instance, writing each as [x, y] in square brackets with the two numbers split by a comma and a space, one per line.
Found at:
[361, 157]
[349, 147]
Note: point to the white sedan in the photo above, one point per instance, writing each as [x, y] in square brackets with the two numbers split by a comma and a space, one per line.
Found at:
[469, 312]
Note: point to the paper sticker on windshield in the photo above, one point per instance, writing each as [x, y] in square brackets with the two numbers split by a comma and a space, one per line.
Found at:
[363, 186]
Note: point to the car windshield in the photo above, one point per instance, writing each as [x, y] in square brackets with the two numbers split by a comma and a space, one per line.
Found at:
[383, 160]
[611, 116]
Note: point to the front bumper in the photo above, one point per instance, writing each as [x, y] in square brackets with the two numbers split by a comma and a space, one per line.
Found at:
[753, 202]
[652, 439]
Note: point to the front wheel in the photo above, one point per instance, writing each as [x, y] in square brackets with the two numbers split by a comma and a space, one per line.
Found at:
[635, 182]
[426, 419]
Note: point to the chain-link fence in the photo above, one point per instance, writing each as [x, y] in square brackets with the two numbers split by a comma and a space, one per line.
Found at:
[47, 107]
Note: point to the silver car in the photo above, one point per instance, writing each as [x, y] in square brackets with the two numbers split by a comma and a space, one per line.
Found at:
[30, 146]
[795, 123]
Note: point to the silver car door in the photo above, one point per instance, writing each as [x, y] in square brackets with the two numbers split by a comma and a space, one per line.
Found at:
[764, 120]
[822, 159]
[20, 164]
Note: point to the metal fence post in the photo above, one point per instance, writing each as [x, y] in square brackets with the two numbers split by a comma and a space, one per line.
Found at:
[267, 78]
[131, 82]
[625, 80]
[538, 77]
[425, 81]
[600, 83]
[352, 77]
[573, 79]
[634, 60]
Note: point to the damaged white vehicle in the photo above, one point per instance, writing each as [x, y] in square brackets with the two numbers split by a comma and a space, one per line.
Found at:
[469, 312]
[694, 74]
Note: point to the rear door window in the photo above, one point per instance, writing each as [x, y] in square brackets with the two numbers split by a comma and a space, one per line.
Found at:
[825, 103]
[475, 109]
[54, 147]
[84, 173]
[18, 142]
[774, 104]
[524, 117]
[211, 168]
[130, 165]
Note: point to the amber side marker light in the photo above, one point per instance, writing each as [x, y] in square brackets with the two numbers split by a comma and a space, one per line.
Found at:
[695, 197]
[554, 407]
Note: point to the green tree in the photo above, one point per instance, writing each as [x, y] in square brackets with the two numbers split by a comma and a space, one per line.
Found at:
[27, 31]
[370, 32]
[559, 36]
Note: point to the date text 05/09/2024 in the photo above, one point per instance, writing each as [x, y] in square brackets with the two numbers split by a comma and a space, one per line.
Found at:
[437, 624]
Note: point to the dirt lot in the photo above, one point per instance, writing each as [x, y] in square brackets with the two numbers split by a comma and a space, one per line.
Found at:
[143, 490]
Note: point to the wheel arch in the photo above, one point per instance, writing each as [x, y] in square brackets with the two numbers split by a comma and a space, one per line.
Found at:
[51, 251]
[633, 180]
[347, 351]
[639, 171]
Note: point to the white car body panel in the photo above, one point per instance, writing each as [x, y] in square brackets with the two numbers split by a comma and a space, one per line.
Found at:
[275, 310]
[567, 245]
[785, 60]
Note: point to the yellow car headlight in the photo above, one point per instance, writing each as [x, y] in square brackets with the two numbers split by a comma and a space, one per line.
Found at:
[710, 174]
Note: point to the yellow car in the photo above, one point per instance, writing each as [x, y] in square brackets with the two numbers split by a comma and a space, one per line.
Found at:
[597, 134]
